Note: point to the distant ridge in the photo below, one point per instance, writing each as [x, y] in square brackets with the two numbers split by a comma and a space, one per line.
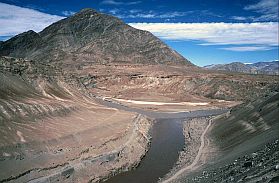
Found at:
[271, 68]
[90, 36]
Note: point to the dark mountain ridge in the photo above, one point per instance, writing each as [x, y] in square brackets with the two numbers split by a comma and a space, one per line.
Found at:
[91, 36]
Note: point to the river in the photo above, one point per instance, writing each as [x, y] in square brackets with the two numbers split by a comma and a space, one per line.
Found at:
[167, 141]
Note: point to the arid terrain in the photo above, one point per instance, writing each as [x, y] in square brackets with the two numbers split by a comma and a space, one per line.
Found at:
[248, 154]
[58, 121]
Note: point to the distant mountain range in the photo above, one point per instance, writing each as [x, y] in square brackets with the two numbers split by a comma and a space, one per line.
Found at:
[271, 68]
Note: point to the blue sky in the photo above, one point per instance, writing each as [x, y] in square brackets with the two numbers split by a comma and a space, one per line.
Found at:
[205, 32]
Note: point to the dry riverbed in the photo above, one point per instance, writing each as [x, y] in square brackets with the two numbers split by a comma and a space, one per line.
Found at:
[173, 106]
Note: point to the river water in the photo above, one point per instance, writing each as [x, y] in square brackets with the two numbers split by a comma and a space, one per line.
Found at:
[167, 141]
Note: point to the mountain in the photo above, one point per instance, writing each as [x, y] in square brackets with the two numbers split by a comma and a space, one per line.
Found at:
[90, 36]
[233, 67]
[271, 68]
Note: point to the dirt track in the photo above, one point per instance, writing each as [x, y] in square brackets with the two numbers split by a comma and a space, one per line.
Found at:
[196, 159]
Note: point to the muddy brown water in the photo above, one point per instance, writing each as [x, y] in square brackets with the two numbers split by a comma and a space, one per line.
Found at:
[167, 141]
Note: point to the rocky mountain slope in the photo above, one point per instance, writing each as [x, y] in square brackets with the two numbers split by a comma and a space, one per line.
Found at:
[243, 145]
[271, 68]
[90, 36]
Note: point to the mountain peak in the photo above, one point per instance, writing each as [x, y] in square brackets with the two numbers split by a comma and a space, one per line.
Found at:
[87, 11]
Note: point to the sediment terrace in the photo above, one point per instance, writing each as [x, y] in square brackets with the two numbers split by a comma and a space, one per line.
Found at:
[161, 83]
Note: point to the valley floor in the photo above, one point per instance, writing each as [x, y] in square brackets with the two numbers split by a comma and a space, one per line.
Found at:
[54, 126]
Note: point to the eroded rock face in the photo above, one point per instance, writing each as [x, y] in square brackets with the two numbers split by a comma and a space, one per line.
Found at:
[94, 37]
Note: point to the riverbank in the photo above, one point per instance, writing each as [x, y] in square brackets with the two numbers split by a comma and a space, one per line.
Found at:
[82, 157]
[239, 146]
[127, 156]
[197, 148]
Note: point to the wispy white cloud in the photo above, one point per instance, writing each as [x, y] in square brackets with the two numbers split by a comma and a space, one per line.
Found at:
[248, 48]
[260, 35]
[134, 13]
[113, 2]
[114, 11]
[267, 17]
[68, 13]
[174, 14]
[141, 15]
[264, 7]
[268, 10]
[240, 18]
[15, 20]
[208, 13]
